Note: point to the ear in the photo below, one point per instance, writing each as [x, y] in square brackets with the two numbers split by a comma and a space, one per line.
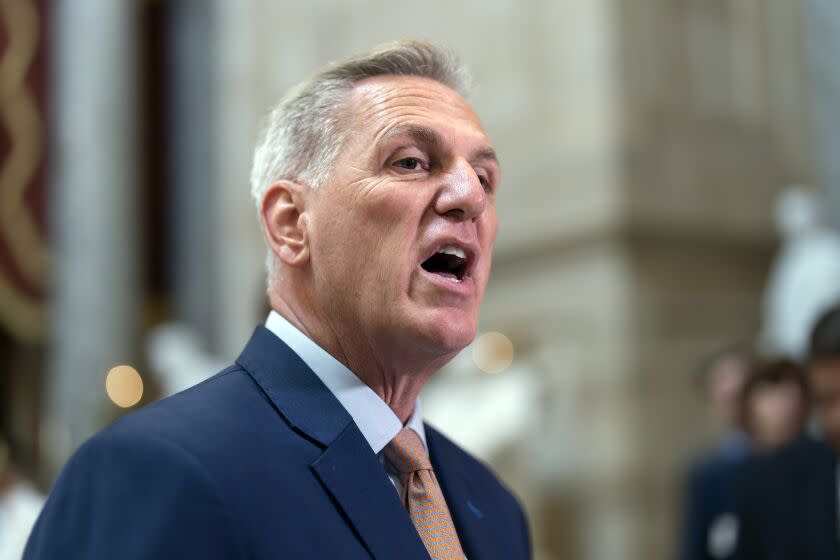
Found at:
[284, 219]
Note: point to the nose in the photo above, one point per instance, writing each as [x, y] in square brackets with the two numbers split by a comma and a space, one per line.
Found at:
[462, 196]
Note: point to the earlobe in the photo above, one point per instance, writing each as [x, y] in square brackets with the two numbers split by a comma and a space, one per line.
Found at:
[285, 222]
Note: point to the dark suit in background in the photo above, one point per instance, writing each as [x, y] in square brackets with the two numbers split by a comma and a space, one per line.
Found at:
[788, 505]
[259, 462]
[710, 502]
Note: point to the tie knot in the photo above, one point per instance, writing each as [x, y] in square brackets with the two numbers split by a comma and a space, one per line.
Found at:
[407, 452]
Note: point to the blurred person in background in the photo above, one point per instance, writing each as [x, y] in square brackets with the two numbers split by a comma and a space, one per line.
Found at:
[774, 404]
[709, 499]
[788, 500]
[20, 503]
[766, 405]
[375, 186]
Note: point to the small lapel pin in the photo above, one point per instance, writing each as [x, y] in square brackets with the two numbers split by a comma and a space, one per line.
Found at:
[477, 512]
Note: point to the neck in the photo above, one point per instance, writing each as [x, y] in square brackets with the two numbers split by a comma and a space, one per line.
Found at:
[395, 379]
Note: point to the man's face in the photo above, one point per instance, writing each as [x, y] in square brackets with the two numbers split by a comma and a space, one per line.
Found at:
[824, 378]
[402, 232]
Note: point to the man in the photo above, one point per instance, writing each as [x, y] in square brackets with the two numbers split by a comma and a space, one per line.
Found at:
[789, 500]
[375, 186]
[709, 506]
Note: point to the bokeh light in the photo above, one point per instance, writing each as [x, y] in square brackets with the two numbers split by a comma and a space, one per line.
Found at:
[124, 386]
[493, 352]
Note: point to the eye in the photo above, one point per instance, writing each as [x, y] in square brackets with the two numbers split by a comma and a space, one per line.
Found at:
[410, 163]
[485, 183]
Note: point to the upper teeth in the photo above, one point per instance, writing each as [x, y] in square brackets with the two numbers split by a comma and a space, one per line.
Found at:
[453, 250]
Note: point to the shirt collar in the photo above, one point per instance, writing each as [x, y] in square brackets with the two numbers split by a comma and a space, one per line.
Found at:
[372, 415]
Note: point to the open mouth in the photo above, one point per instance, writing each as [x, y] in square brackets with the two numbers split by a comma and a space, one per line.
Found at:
[450, 262]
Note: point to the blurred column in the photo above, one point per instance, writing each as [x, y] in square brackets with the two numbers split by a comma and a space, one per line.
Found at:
[191, 169]
[218, 280]
[823, 46]
[237, 240]
[96, 293]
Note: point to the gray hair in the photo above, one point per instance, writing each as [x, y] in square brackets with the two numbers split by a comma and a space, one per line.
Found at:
[303, 134]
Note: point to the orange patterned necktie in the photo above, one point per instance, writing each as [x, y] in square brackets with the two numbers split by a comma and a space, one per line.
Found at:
[422, 496]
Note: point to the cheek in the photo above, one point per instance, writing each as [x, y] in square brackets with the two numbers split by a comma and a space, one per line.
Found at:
[373, 235]
[488, 229]
[385, 201]
[395, 216]
[487, 238]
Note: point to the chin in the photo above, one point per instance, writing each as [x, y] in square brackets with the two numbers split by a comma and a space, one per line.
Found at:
[448, 333]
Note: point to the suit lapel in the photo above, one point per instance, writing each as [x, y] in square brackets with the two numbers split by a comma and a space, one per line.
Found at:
[348, 468]
[294, 390]
[472, 517]
[358, 483]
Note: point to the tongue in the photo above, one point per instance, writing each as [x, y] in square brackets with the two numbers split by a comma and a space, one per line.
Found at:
[447, 275]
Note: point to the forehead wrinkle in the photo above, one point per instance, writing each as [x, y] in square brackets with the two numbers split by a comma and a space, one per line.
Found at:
[396, 86]
[381, 101]
[375, 94]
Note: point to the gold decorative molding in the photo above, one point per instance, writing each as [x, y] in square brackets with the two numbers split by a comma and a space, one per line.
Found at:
[20, 115]
[25, 317]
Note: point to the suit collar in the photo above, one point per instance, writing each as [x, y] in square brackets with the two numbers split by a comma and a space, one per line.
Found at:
[348, 468]
[372, 415]
[296, 393]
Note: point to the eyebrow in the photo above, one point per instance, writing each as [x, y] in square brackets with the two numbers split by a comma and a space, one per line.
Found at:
[485, 154]
[428, 137]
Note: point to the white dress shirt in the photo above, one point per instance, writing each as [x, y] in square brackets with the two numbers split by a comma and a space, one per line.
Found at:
[372, 415]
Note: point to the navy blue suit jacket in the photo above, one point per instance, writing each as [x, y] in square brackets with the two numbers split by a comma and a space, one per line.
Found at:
[260, 462]
[787, 505]
[710, 496]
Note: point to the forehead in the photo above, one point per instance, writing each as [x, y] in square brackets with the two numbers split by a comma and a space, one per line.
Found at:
[383, 102]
